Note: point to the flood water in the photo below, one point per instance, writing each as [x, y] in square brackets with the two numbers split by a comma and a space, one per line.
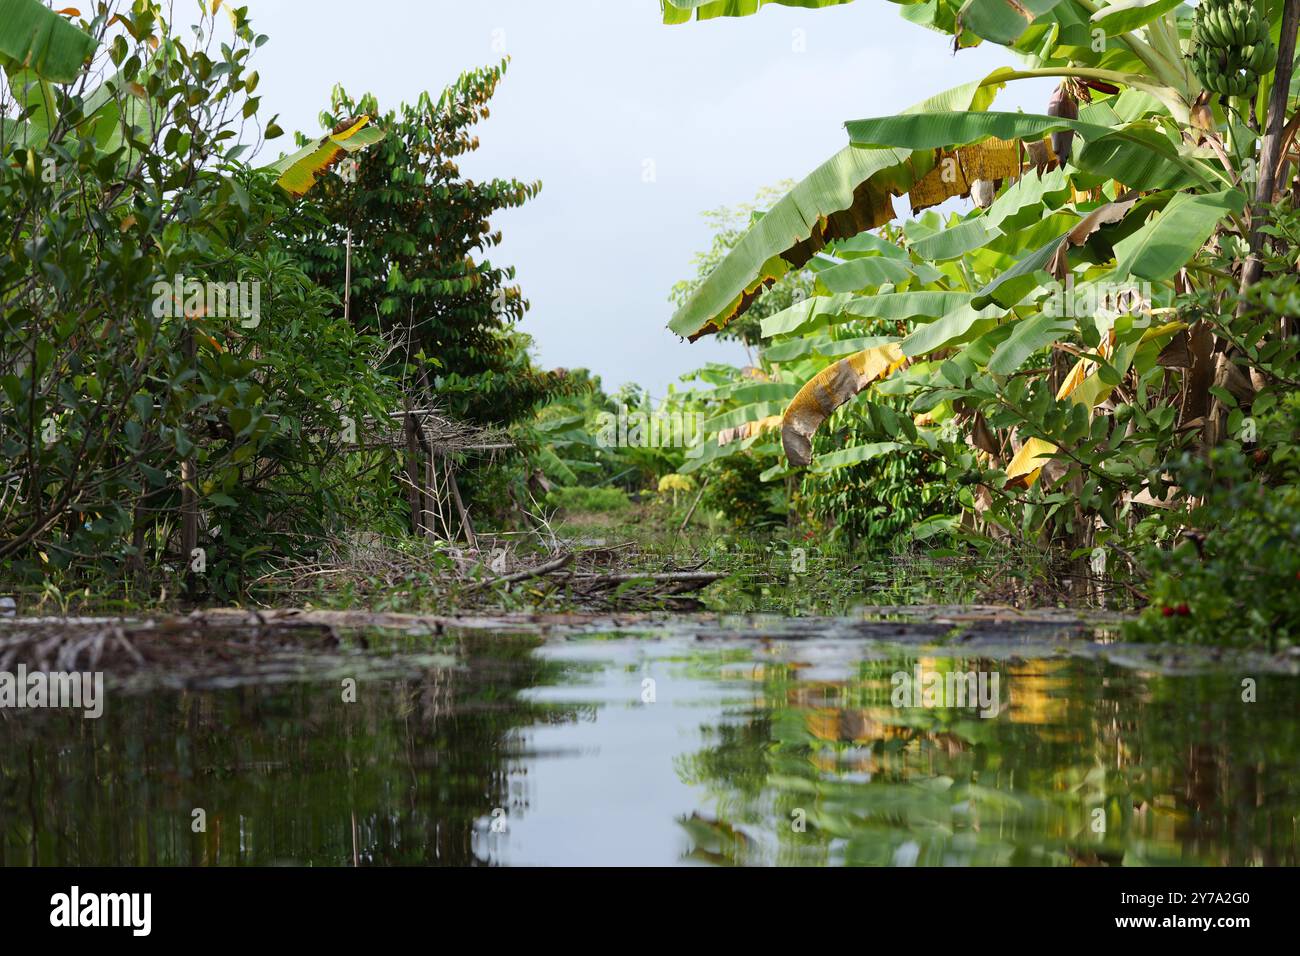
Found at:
[673, 748]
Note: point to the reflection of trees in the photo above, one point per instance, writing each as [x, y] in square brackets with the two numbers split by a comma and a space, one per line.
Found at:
[1181, 770]
[285, 773]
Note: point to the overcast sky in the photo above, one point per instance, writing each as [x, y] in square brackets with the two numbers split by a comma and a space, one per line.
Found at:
[599, 94]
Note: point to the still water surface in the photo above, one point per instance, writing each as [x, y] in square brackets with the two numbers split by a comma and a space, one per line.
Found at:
[669, 749]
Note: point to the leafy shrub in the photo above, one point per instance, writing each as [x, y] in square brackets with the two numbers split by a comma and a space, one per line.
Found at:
[737, 493]
[1233, 577]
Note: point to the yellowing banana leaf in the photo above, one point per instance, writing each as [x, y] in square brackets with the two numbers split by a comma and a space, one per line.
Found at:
[679, 11]
[298, 171]
[828, 390]
[957, 169]
[851, 192]
[34, 37]
[1025, 466]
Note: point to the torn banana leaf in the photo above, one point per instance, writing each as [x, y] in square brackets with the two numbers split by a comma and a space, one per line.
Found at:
[850, 193]
[955, 171]
[828, 390]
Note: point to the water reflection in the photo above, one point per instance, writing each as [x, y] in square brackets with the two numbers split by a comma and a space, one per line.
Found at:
[667, 751]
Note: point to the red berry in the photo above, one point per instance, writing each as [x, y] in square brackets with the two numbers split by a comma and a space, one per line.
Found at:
[1167, 611]
[1183, 610]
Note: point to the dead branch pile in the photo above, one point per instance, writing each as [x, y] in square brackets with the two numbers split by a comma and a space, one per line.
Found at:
[475, 577]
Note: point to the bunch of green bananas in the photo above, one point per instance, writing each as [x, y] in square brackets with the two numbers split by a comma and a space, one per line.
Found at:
[1231, 48]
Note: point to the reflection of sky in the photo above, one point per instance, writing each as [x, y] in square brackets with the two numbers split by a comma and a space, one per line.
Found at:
[595, 91]
[606, 791]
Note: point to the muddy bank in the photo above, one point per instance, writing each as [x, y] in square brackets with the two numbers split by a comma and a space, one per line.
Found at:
[232, 646]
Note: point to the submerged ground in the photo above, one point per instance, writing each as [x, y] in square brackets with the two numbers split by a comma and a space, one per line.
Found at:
[643, 739]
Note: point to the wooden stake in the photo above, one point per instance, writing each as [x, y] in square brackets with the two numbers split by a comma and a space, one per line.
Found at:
[466, 525]
[347, 277]
[413, 496]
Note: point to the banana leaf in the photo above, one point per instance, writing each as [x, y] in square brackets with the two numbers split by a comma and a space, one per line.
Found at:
[894, 307]
[1169, 240]
[298, 171]
[1002, 21]
[32, 36]
[851, 192]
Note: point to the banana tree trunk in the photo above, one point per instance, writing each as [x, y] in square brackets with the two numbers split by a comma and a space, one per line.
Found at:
[1270, 151]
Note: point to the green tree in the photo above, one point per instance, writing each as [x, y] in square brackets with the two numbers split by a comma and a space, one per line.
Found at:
[419, 231]
[141, 420]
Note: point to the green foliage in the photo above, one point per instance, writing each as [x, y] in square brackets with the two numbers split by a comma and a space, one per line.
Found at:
[1064, 428]
[737, 492]
[113, 385]
[419, 232]
[1234, 577]
[577, 500]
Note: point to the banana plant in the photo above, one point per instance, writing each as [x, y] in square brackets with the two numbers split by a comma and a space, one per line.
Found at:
[1134, 180]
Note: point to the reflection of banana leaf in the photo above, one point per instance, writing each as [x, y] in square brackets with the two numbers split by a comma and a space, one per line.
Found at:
[1077, 749]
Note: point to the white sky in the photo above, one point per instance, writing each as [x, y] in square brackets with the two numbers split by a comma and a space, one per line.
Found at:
[595, 89]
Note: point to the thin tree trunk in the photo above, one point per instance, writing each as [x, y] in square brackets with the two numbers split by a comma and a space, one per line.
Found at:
[347, 278]
[1268, 154]
[189, 494]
